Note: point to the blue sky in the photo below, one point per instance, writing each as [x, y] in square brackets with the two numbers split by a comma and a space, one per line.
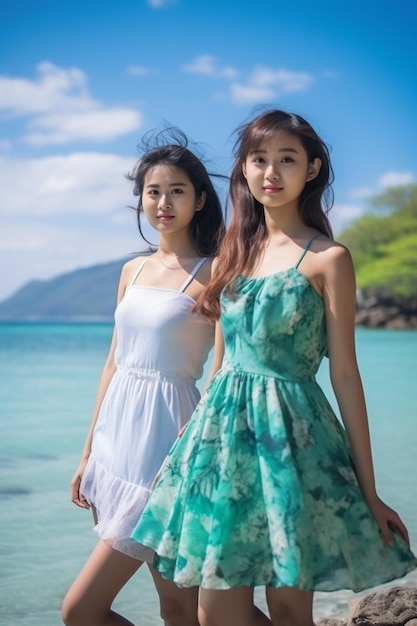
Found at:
[81, 82]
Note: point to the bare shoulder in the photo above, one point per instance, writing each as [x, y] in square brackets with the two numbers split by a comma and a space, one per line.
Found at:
[130, 268]
[330, 253]
[206, 271]
[333, 271]
[328, 263]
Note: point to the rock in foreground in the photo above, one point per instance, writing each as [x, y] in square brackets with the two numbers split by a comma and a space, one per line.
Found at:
[396, 606]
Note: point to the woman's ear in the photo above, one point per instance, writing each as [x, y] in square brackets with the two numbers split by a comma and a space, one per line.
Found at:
[201, 201]
[244, 169]
[314, 169]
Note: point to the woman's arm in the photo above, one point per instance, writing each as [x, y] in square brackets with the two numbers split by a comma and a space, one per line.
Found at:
[215, 365]
[218, 350]
[218, 353]
[104, 382]
[339, 293]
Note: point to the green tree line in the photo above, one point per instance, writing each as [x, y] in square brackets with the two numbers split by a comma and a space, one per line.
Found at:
[383, 243]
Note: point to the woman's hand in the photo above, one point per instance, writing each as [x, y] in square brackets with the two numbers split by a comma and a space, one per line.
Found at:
[76, 497]
[388, 521]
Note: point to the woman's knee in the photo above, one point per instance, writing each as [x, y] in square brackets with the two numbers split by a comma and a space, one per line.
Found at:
[78, 610]
[177, 611]
[290, 606]
[71, 613]
[178, 606]
[206, 618]
[227, 607]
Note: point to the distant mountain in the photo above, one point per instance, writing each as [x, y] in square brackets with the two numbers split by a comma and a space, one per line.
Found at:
[84, 294]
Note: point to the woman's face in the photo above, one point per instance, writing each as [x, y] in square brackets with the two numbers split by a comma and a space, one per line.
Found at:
[168, 198]
[276, 172]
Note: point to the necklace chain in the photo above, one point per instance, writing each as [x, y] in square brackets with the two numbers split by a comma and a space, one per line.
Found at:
[169, 267]
[176, 266]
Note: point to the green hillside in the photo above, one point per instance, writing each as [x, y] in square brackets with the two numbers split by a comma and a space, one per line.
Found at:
[84, 293]
[383, 244]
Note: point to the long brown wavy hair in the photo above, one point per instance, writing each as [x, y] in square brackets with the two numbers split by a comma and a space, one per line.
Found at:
[247, 231]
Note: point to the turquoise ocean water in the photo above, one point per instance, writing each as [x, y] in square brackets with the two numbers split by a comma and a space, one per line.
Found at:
[48, 380]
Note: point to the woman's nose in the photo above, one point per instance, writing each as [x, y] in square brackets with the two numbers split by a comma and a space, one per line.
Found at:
[163, 203]
[272, 171]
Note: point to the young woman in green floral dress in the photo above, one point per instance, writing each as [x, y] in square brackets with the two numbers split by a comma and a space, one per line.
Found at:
[266, 486]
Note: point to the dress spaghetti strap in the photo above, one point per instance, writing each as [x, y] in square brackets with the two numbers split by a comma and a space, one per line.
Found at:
[306, 249]
[138, 272]
[192, 274]
[187, 280]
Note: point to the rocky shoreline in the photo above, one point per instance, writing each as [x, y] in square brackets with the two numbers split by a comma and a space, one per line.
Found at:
[385, 311]
[395, 606]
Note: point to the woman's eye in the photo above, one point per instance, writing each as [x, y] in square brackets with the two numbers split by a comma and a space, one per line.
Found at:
[287, 160]
[177, 191]
[259, 160]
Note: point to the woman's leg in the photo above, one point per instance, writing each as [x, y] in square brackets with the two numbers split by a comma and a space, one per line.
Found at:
[89, 600]
[230, 607]
[289, 606]
[178, 605]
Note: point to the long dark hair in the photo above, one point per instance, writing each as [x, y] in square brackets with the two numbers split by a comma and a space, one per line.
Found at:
[247, 230]
[169, 147]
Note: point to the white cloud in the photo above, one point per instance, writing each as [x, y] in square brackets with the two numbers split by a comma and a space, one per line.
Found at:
[42, 249]
[250, 93]
[395, 179]
[54, 88]
[206, 65]
[99, 125]
[59, 186]
[5, 145]
[60, 213]
[348, 211]
[262, 84]
[341, 215]
[386, 180]
[361, 193]
[24, 241]
[140, 70]
[270, 84]
[60, 108]
[284, 80]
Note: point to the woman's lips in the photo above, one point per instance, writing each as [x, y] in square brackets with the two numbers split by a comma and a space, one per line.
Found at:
[271, 189]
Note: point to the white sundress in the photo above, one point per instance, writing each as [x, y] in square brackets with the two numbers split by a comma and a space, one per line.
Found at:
[161, 350]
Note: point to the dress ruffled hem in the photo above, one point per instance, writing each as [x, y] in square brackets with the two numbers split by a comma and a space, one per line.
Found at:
[209, 575]
[119, 505]
[265, 493]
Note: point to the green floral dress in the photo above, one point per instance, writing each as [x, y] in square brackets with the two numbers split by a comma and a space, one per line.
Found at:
[260, 489]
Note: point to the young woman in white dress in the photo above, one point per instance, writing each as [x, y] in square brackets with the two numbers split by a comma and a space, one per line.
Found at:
[147, 390]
